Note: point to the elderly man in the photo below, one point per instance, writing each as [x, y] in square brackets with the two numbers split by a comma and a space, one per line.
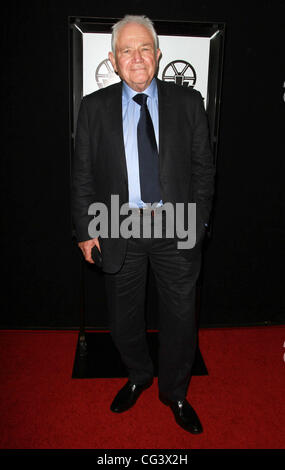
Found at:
[147, 142]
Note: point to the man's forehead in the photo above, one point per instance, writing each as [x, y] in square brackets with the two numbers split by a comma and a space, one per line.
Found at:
[135, 31]
[129, 43]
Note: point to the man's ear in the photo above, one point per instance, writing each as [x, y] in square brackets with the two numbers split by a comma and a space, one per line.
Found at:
[113, 61]
[158, 54]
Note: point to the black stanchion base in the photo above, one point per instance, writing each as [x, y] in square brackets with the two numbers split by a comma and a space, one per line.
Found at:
[97, 357]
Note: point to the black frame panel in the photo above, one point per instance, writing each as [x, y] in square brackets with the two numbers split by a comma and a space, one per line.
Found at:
[77, 27]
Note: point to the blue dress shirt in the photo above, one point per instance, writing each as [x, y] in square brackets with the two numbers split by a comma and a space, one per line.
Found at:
[131, 115]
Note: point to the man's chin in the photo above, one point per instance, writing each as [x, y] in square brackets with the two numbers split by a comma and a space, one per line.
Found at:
[140, 84]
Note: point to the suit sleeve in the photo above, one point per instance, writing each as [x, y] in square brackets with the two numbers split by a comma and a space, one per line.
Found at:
[203, 170]
[82, 189]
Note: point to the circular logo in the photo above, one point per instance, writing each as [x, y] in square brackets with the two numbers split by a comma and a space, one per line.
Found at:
[104, 74]
[180, 72]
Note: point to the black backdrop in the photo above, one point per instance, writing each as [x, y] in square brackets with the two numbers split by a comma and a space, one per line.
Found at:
[243, 274]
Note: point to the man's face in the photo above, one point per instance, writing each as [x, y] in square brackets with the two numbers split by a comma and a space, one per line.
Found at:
[135, 60]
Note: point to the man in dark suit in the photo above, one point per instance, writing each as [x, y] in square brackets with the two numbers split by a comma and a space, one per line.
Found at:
[145, 141]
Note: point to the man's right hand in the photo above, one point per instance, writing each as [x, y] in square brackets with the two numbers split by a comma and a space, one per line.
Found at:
[86, 248]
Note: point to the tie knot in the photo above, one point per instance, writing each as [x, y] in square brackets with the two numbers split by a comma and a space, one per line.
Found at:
[140, 98]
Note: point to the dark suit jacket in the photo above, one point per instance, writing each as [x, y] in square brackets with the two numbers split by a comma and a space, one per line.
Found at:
[99, 167]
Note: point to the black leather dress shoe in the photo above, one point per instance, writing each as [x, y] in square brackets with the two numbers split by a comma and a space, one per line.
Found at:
[185, 416]
[127, 396]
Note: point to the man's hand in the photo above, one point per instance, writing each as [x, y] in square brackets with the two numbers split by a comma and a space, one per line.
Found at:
[86, 248]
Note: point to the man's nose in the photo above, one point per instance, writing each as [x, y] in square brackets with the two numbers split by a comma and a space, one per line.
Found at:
[137, 55]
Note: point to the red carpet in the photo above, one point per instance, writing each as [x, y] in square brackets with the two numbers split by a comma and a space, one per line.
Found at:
[240, 402]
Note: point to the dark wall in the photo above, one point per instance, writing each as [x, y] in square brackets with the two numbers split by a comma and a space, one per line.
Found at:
[243, 276]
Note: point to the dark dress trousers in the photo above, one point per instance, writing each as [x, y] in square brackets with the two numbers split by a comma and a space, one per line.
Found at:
[186, 175]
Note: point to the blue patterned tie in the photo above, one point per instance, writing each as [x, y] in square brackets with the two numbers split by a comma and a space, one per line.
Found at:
[148, 154]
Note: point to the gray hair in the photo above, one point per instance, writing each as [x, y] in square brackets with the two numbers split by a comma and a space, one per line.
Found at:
[139, 19]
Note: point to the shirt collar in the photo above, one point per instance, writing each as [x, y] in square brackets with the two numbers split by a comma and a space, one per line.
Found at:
[129, 93]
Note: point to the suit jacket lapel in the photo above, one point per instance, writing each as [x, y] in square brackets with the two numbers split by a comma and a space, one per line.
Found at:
[114, 108]
[164, 110]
